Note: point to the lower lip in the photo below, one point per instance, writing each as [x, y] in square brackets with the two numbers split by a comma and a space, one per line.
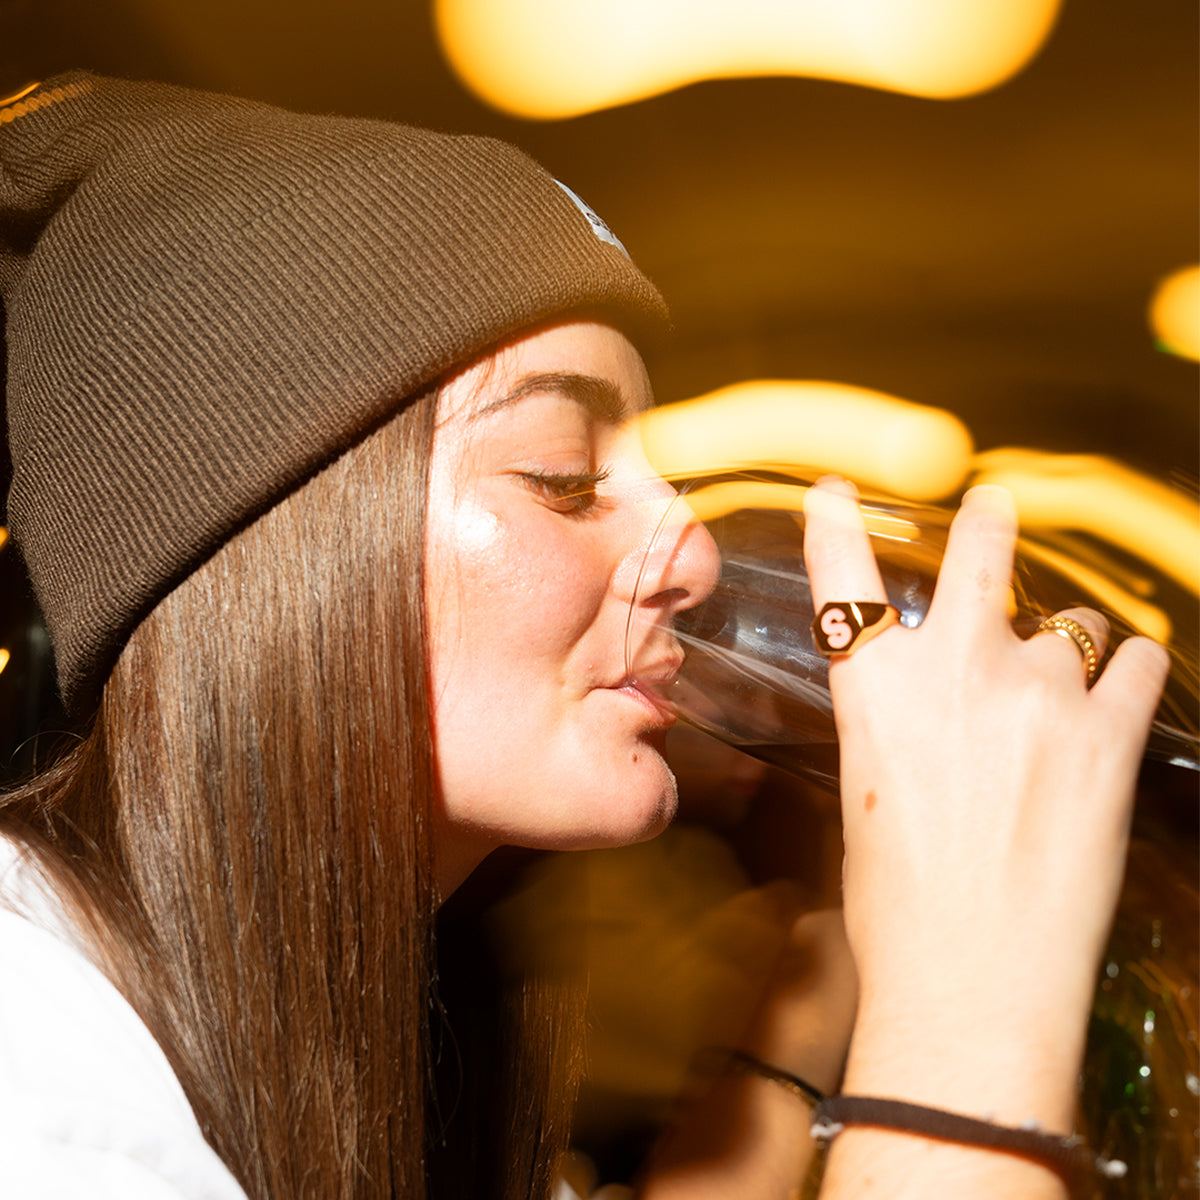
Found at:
[661, 713]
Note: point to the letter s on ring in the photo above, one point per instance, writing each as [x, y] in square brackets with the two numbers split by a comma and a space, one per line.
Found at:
[837, 630]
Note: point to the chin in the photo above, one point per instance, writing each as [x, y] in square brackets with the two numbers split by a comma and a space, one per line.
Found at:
[593, 805]
[636, 813]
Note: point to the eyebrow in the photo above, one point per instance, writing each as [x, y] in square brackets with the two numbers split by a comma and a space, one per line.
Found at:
[599, 396]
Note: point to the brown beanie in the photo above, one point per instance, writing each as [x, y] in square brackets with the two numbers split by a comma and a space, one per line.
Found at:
[206, 299]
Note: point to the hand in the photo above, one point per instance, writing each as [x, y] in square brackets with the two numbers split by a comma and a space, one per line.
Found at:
[743, 1135]
[986, 797]
[806, 1014]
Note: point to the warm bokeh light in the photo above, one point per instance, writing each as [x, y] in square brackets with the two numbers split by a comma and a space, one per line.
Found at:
[1106, 499]
[1175, 313]
[1116, 590]
[922, 454]
[1122, 591]
[4, 655]
[877, 440]
[714, 500]
[925, 454]
[552, 59]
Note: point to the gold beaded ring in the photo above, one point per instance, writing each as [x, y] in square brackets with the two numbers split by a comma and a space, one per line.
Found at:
[1065, 627]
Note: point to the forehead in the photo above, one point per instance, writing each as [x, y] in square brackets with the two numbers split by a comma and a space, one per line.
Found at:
[588, 362]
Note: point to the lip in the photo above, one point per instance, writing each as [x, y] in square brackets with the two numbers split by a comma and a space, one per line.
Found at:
[657, 674]
[649, 686]
[660, 715]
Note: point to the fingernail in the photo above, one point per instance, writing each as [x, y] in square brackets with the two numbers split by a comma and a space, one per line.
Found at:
[991, 498]
[837, 483]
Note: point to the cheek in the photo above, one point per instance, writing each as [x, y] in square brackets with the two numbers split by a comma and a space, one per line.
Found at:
[508, 596]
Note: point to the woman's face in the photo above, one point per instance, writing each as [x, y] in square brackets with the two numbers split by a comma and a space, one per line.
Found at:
[541, 506]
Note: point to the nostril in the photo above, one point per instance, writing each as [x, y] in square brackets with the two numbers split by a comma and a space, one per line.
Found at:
[677, 568]
[668, 599]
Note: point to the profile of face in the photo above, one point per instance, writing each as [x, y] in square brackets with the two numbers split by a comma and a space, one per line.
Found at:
[541, 506]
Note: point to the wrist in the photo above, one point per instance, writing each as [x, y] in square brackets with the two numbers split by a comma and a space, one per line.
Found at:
[997, 1062]
[1068, 1158]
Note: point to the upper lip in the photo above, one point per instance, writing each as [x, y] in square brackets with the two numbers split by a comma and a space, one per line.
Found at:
[660, 673]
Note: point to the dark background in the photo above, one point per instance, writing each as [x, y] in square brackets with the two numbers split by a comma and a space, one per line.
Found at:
[992, 255]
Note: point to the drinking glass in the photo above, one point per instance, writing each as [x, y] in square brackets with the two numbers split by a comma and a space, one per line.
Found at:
[752, 676]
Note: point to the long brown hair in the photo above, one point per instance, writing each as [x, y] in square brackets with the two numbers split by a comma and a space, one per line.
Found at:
[244, 832]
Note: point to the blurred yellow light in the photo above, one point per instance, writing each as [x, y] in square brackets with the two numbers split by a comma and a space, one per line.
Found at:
[718, 499]
[1106, 499]
[1175, 313]
[4, 657]
[560, 58]
[715, 500]
[877, 440]
[3, 536]
[1145, 617]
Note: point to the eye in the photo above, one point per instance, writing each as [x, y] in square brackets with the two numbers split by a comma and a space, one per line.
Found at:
[573, 493]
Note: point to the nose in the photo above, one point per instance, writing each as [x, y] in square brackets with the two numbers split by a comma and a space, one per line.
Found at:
[672, 563]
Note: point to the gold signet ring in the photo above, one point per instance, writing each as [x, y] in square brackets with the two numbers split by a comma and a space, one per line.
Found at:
[842, 627]
[1073, 631]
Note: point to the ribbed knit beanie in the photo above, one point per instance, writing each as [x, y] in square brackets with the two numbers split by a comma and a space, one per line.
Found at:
[206, 299]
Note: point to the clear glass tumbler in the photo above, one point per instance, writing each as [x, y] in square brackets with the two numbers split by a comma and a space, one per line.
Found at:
[751, 674]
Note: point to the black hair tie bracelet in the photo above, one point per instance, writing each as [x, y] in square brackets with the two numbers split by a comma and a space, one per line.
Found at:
[1069, 1157]
[793, 1083]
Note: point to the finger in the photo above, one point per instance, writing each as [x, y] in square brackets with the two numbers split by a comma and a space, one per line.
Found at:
[1127, 695]
[1056, 647]
[976, 573]
[837, 551]
[1131, 686]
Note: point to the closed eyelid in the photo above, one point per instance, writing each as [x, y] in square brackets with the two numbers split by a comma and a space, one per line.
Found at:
[579, 490]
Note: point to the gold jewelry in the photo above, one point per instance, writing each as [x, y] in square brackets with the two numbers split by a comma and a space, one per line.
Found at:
[841, 627]
[1065, 627]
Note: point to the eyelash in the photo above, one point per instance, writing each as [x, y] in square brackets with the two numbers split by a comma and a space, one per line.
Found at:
[576, 490]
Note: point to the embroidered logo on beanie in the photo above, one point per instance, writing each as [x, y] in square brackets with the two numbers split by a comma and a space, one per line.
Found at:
[599, 228]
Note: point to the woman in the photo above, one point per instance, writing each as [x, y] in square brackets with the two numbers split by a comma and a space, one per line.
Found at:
[323, 476]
